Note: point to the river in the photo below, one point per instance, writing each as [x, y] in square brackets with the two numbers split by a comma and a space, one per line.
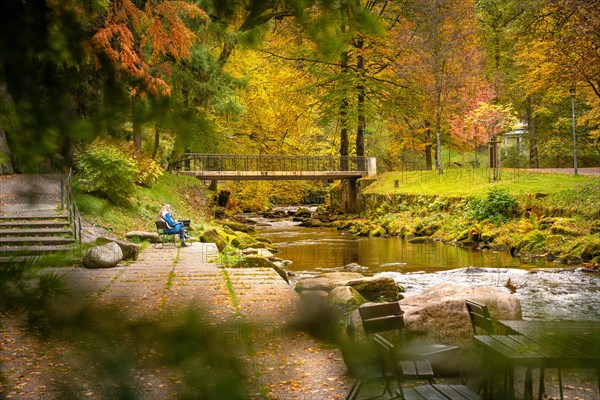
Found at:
[546, 290]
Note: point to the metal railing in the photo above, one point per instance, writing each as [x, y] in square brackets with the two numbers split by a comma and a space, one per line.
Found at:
[74, 216]
[278, 163]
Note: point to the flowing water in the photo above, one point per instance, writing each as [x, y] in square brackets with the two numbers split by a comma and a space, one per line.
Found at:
[546, 290]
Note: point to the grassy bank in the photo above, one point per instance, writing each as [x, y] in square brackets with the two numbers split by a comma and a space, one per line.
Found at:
[554, 216]
[187, 195]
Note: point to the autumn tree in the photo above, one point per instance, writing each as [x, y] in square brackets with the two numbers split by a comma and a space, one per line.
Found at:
[138, 39]
[492, 120]
[442, 58]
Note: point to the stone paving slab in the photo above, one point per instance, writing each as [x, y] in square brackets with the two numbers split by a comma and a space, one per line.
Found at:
[250, 312]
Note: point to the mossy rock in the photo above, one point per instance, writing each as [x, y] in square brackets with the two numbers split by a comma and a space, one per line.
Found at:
[428, 230]
[212, 236]
[378, 231]
[590, 250]
[488, 237]
[464, 235]
[396, 228]
[343, 225]
[303, 213]
[311, 222]
[263, 239]
[243, 240]
[364, 231]
[227, 230]
[345, 297]
[239, 227]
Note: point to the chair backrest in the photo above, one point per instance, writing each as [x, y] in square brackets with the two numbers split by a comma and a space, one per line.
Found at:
[381, 317]
[161, 225]
[480, 317]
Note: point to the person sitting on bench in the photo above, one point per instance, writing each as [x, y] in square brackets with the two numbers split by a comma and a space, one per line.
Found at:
[175, 227]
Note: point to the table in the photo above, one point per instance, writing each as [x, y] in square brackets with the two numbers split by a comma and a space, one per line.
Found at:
[532, 328]
[543, 344]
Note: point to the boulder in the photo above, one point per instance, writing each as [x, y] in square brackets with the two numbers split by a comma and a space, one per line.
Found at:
[254, 251]
[440, 312]
[239, 227]
[311, 223]
[377, 288]
[354, 267]
[143, 236]
[211, 236]
[105, 256]
[303, 213]
[345, 298]
[130, 250]
[326, 282]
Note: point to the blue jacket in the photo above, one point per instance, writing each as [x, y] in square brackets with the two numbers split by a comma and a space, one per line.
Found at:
[169, 220]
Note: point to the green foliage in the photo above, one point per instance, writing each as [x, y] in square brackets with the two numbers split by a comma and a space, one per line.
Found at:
[229, 260]
[497, 206]
[25, 289]
[186, 195]
[105, 169]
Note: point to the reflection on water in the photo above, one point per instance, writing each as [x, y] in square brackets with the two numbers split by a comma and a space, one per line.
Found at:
[555, 293]
[326, 248]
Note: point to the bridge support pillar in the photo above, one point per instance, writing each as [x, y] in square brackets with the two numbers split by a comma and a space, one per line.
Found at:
[350, 200]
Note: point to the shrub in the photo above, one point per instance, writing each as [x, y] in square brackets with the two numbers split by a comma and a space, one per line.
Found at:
[149, 171]
[498, 206]
[106, 170]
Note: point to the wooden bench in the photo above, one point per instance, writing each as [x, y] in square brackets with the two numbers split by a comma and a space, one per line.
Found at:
[164, 237]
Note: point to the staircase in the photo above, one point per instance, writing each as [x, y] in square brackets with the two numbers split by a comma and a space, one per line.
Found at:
[39, 233]
[30, 229]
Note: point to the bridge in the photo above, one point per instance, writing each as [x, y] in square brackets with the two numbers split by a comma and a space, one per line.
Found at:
[273, 167]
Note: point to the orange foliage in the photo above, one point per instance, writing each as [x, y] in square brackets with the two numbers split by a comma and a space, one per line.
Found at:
[135, 39]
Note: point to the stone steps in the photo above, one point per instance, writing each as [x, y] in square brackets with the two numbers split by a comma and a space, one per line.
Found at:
[34, 233]
[43, 231]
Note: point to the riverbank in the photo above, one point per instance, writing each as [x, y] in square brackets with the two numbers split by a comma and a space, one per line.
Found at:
[536, 215]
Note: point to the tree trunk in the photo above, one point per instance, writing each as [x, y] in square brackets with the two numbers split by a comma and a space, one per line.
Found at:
[137, 124]
[428, 159]
[438, 140]
[5, 161]
[344, 142]
[156, 141]
[362, 124]
[532, 128]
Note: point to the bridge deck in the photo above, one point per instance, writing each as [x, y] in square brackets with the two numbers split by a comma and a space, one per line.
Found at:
[274, 175]
[272, 167]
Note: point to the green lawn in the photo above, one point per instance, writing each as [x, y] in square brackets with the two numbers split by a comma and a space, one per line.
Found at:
[467, 182]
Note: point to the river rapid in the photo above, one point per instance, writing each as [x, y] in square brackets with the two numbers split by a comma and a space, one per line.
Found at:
[546, 290]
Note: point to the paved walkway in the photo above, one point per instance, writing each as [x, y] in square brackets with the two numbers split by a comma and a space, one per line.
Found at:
[252, 311]
[22, 194]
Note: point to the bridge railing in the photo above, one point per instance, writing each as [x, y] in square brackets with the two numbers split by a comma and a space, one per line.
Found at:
[237, 162]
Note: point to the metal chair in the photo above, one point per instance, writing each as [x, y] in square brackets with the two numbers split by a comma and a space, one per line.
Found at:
[412, 362]
[481, 320]
[480, 317]
[361, 363]
[391, 362]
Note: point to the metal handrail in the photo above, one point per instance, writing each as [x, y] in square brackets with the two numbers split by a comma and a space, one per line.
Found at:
[279, 163]
[74, 216]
